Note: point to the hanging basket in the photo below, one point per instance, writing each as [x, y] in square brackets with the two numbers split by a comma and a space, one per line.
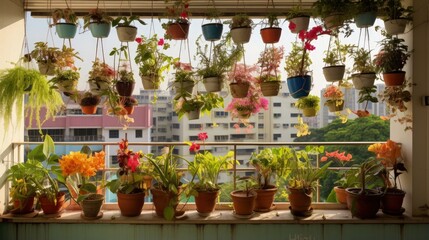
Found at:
[301, 23]
[395, 26]
[365, 19]
[213, 84]
[334, 21]
[185, 86]
[100, 30]
[271, 35]
[126, 33]
[239, 90]
[98, 87]
[68, 86]
[270, 88]
[89, 109]
[309, 112]
[394, 78]
[212, 31]
[46, 69]
[241, 35]
[299, 86]
[333, 107]
[178, 31]
[125, 89]
[150, 82]
[334, 73]
[194, 114]
[363, 80]
[66, 30]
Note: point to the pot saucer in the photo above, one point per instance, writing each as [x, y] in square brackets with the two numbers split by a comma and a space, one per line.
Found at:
[99, 215]
[242, 216]
[301, 213]
[266, 210]
[394, 213]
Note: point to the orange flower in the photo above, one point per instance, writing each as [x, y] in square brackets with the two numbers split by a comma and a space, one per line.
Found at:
[80, 163]
[387, 152]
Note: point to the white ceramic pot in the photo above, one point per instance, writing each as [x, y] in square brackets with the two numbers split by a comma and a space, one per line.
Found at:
[126, 33]
[363, 80]
[301, 23]
[334, 73]
[212, 84]
[241, 35]
[396, 26]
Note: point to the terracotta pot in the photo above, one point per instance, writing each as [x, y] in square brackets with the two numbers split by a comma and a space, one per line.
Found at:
[126, 33]
[241, 35]
[49, 206]
[334, 73]
[363, 80]
[309, 112]
[131, 205]
[212, 84]
[178, 31]
[300, 200]
[23, 206]
[130, 109]
[363, 205]
[341, 195]
[161, 200]
[395, 26]
[89, 109]
[194, 114]
[239, 90]
[243, 203]
[265, 199]
[334, 21]
[334, 108]
[271, 34]
[301, 23]
[125, 89]
[394, 78]
[270, 88]
[91, 206]
[150, 82]
[205, 201]
[391, 202]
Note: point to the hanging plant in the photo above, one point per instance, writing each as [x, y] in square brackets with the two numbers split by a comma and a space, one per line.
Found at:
[100, 77]
[334, 60]
[126, 32]
[241, 28]
[269, 79]
[177, 27]
[212, 31]
[366, 95]
[363, 68]
[98, 23]
[271, 33]
[65, 21]
[298, 18]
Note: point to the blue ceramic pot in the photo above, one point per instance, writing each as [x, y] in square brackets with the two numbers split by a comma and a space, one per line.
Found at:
[99, 30]
[66, 30]
[299, 86]
[366, 19]
[212, 31]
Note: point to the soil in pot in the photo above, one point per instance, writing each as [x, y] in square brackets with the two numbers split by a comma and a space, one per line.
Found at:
[131, 204]
[205, 201]
[265, 199]
[49, 206]
[363, 205]
[243, 203]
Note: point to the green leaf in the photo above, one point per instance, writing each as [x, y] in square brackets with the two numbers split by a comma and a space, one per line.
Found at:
[89, 187]
[37, 154]
[169, 213]
[48, 146]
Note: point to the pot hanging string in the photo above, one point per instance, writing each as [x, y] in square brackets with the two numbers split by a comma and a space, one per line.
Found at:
[151, 27]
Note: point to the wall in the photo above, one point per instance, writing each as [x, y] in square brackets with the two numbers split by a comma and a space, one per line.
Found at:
[12, 33]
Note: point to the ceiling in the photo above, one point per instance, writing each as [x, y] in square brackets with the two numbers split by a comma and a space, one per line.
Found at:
[198, 8]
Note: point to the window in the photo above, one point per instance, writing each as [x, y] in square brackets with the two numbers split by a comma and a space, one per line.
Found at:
[221, 137]
[294, 115]
[139, 133]
[162, 130]
[285, 94]
[276, 125]
[292, 105]
[260, 116]
[293, 135]
[176, 125]
[285, 125]
[113, 133]
[277, 115]
[219, 114]
[193, 138]
[56, 134]
[276, 136]
[260, 125]
[176, 138]
[114, 160]
[194, 126]
[277, 104]
[261, 136]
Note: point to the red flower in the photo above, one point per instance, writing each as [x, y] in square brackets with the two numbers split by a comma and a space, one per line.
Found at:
[184, 15]
[123, 145]
[161, 42]
[202, 136]
[292, 26]
[133, 162]
[139, 40]
[309, 47]
[186, 5]
[194, 147]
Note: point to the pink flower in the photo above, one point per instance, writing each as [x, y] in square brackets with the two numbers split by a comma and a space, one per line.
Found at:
[342, 157]
[133, 162]
[161, 42]
[194, 147]
[292, 26]
[202, 136]
[139, 40]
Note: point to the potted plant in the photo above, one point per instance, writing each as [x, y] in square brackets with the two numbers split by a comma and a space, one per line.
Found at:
[366, 12]
[363, 68]
[243, 108]
[298, 61]
[177, 27]
[184, 79]
[242, 78]
[333, 12]
[168, 188]
[207, 167]
[65, 21]
[126, 32]
[396, 16]
[269, 61]
[98, 23]
[100, 77]
[334, 98]
[362, 201]
[78, 171]
[309, 105]
[46, 57]
[88, 102]
[66, 81]
[268, 163]
[212, 31]
[366, 96]
[215, 66]
[334, 60]
[396, 97]
[303, 179]
[389, 154]
[244, 198]
[152, 61]
[391, 60]
[271, 33]
[125, 80]
[241, 28]
[129, 103]
[298, 19]
[129, 181]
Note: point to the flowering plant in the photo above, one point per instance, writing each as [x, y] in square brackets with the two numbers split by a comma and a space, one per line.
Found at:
[333, 94]
[152, 61]
[389, 153]
[178, 12]
[348, 177]
[203, 102]
[270, 62]
[393, 55]
[101, 73]
[129, 175]
[78, 168]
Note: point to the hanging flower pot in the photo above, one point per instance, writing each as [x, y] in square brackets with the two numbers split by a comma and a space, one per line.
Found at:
[89, 103]
[131, 204]
[178, 31]
[270, 88]
[46, 68]
[98, 87]
[394, 78]
[241, 35]
[334, 73]
[150, 82]
[194, 114]
[333, 107]
[363, 80]
[395, 26]
[49, 206]
[299, 86]
[213, 84]
[184, 86]
[205, 202]
[66, 30]
[265, 198]
[365, 19]
[309, 112]
[125, 89]
[243, 203]
[91, 206]
[334, 21]
[212, 31]
[239, 90]
[126, 33]
[244, 114]
[300, 23]
[99, 30]
[271, 34]
[391, 202]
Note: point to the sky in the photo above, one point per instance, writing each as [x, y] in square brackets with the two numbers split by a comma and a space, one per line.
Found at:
[38, 30]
